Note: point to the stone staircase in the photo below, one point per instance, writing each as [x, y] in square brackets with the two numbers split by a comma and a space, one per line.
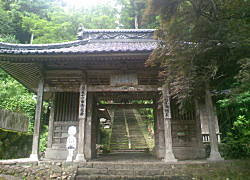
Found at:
[119, 138]
[126, 133]
[137, 139]
[128, 171]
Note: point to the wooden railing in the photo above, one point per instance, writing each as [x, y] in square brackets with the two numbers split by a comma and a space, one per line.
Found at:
[206, 139]
[13, 121]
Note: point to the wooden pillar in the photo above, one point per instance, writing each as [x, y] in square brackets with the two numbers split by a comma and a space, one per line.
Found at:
[82, 118]
[36, 135]
[94, 129]
[156, 133]
[214, 154]
[88, 129]
[51, 121]
[169, 156]
[97, 129]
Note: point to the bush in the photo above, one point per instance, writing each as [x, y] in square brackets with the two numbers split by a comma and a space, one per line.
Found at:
[237, 141]
[14, 144]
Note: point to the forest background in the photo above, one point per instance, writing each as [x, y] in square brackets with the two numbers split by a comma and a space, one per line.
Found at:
[217, 52]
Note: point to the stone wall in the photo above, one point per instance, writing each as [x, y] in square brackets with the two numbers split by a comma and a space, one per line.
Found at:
[13, 121]
[38, 170]
[14, 144]
[185, 170]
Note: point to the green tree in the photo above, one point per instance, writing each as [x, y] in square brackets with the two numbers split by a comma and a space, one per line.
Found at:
[6, 24]
[15, 97]
[205, 47]
[202, 43]
[132, 15]
[60, 26]
[8, 38]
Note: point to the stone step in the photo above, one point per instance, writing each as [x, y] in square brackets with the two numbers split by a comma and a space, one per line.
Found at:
[133, 165]
[123, 138]
[122, 172]
[119, 147]
[91, 171]
[115, 142]
[117, 177]
[128, 150]
[118, 141]
[119, 144]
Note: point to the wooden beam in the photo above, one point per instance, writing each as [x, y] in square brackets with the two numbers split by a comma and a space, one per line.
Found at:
[30, 57]
[49, 72]
[107, 88]
[126, 106]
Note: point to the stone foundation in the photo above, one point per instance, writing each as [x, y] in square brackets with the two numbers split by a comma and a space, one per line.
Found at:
[38, 170]
[183, 153]
[237, 169]
[56, 154]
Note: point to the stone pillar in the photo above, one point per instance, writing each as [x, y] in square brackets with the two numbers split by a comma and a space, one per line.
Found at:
[80, 157]
[204, 122]
[201, 149]
[159, 133]
[36, 134]
[88, 129]
[51, 121]
[169, 156]
[214, 154]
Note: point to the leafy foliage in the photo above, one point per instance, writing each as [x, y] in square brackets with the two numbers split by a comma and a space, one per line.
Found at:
[63, 26]
[47, 21]
[237, 140]
[14, 144]
[206, 45]
[15, 97]
[132, 15]
[43, 139]
[202, 43]
[8, 38]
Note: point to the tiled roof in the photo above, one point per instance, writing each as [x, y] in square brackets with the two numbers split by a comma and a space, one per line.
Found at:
[118, 30]
[92, 42]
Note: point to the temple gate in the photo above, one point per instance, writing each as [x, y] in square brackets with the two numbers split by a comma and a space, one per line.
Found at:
[102, 65]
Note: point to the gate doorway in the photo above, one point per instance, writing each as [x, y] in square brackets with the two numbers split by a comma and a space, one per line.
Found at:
[125, 126]
[130, 132]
